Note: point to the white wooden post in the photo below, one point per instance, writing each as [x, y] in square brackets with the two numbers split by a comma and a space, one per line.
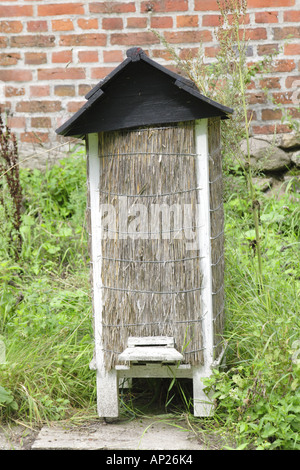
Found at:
[107, 382]
[202, 403]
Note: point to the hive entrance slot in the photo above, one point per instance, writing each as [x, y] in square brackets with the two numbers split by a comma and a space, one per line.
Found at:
[150, 349]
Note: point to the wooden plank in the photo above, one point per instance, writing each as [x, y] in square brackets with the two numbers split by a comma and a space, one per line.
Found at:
[150, 341]
[151, 354]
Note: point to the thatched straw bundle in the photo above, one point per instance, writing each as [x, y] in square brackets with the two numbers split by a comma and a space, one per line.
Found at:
[151, 279]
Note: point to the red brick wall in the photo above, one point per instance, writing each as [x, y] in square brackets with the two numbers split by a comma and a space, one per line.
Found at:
[52, 52]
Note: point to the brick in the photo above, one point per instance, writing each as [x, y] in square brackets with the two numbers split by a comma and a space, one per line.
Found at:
[131, 39]
[111, 7]
[64, 90]
[256, 98]
[112, 56]
[62, 25]
[34, 137]
[88, 56]
[91, 23]
[11, 91]
[292, 49]
[284, 97]
[212, 20]
[211, 51]
[38, 91]
[112, 23]
[161, 22]
[269, 3]
[284, 65]
[254, 34]
[35, 58]
[83, 89]
[3, 41]
[292, 16]
[42, 121]
[162, 54]
[101, 72]
[287, 32]
[36, 40]
[7, 59]
[37, 26]
[61, 57]
[292, 82]
[179, 37]
[15, 10]
[87, 39]
[137, 22]
[294, 112]
[271, 129]
[217, 20]
[18, 122]
[207, 5]
[38, 106]
[164, 5]
[271, 114]
[266, 17]
[64, 73]
[58, 9]
[74, 106]
[184, 21]
[270, 82]
[267, 49]
[9, 27]
[188, 54]
[15, 75]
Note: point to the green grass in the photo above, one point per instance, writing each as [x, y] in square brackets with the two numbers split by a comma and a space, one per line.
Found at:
[46, 313]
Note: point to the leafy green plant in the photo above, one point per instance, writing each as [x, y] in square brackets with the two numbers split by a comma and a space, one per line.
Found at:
[7, 400]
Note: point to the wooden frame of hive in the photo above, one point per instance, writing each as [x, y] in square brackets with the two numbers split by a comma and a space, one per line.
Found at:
[151, 136]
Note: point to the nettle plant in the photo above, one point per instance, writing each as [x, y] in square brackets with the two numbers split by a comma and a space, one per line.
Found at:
[10, 188]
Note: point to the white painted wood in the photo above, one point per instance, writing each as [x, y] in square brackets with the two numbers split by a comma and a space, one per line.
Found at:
[150, 354]
[167, 341]
[204, 234]
[107, 382]
[202, 404]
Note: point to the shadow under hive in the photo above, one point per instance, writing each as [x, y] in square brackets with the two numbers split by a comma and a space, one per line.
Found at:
[151, 277]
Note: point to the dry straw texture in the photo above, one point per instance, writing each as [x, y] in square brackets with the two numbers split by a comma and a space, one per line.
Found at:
[152, 281]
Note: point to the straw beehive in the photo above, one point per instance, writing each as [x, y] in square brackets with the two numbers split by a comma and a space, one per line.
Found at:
[156, 225]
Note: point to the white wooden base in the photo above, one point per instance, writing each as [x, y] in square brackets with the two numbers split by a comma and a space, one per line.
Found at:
[108, 385]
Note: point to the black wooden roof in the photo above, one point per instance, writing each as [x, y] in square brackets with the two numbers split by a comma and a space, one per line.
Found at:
[140, 92]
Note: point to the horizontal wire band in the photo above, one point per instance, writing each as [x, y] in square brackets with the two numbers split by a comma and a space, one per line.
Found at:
[151, 291]
[154, 154]
[193, 351]
[150, 195]
[106, 229]
[217, 262]
[219, 313]
[217, 236]
[125, 325]
[217, 291]
[216, 179]
[216, 208]
[151, 261]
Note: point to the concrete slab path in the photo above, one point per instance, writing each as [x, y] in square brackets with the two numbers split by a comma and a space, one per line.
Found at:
[139, 434]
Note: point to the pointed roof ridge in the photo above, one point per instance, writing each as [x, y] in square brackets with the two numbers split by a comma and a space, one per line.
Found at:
[135, 55]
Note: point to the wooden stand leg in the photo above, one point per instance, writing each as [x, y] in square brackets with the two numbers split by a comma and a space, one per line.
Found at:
[203, 405]
[108, 394]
